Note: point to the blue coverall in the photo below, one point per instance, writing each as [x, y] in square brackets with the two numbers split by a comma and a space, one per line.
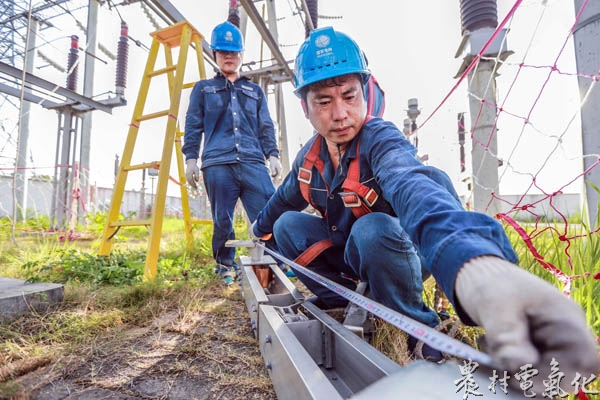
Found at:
[234, 120]
[418, 221]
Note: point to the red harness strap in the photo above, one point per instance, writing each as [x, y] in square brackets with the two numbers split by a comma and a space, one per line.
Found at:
[305, 173]
[356, 196]
[313, 251]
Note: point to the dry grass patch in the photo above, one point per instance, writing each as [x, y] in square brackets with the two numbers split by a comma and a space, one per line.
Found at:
[183, 341]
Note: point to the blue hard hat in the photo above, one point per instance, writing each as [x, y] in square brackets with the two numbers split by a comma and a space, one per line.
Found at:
[325, 54]
[227, 37]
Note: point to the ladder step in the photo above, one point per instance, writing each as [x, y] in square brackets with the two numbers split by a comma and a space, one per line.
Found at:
[153, 115]
[188, 85]
[196, 221]
[153, 164]
[162, 71]
[133, 222]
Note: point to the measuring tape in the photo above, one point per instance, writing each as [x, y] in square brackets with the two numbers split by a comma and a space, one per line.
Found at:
[418, 330]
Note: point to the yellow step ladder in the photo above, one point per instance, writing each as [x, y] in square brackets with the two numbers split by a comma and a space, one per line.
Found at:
[184, 36]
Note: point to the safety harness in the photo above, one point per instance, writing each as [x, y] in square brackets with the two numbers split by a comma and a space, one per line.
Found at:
[356, 196]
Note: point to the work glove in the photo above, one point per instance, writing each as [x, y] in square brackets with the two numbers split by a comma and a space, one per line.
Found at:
[275, 166]
[192, 172]
[526, 321]
[255, 238]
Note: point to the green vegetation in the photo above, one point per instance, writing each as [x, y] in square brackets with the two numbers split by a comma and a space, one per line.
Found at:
[107, 308]
[105, 294]
[575, 253]
[42, 255]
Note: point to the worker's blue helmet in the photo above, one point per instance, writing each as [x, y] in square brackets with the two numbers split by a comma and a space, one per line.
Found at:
[325, 54]
[227, 37]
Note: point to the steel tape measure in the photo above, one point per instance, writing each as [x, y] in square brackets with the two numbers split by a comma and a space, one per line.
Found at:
[418, 330]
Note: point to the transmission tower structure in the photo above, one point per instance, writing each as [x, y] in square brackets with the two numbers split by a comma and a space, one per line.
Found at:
[22, 24]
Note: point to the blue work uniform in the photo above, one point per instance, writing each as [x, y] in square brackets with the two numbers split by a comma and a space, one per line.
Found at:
[417, 221]
[234, 121]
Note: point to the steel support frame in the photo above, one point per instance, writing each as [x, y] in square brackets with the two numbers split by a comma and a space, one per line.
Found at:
[310, 355]
[86, 103]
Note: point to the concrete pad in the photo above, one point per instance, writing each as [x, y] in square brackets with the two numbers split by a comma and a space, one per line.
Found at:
[18, 297]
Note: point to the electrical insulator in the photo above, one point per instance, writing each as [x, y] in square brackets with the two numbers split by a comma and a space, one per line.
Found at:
[477, 14]
[234, 13]
[72, 64]
[313, 14]
[122, 55]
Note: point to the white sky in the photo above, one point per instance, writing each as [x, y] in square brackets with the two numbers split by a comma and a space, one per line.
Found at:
[410, 46]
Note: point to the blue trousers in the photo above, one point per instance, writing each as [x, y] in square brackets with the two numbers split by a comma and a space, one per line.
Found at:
[378, 251]
[225, 184]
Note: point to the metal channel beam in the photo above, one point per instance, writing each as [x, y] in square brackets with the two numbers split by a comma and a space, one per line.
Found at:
[282, 291]
[51, 87]
[309, 355]
[266, 35]
[356, 362]
[27, 96]
[292, 370]
[276, 73]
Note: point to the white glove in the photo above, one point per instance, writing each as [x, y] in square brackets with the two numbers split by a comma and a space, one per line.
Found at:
[255, 238]
[275, 166]
[192, 172]
[527, 321]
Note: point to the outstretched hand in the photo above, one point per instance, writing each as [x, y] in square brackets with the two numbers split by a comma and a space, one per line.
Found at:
[527, 321]
[255, 238]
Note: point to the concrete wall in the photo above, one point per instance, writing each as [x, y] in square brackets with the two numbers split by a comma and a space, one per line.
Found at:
[40, 196]
[39, 201]
[569, 205]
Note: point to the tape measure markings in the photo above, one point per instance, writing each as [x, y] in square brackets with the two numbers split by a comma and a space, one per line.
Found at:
[428, 335]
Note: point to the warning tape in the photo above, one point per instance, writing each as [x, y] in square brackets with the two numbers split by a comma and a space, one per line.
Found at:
[418, 330]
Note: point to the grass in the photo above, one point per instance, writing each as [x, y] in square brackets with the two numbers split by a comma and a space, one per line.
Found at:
[583, 250]
[106, 302]
[105, 295]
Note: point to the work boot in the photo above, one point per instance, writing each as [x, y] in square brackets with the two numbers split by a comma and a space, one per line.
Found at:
[428, 352]
[226, 273]
[287, 271]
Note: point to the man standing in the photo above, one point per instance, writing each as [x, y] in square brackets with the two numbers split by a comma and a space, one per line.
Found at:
[385, 216]
[230, 112]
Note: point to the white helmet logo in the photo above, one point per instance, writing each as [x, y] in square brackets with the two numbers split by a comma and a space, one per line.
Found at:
[229, 36]
[322, 41]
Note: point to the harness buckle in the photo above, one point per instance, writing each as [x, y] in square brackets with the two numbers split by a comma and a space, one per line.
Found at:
[304, 175]
[350, 199]
[371, 197]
